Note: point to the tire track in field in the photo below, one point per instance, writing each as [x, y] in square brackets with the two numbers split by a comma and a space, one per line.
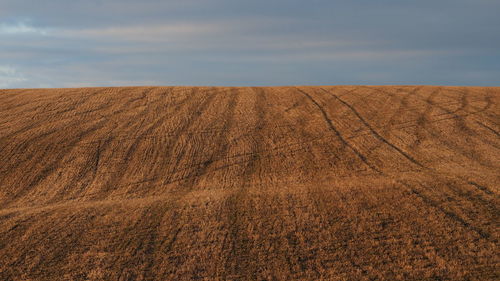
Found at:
[336, 131]
[192, 178]
[195, 114]
[47, 116]
[375, 133]
[144, 246]
[282, 150]
[112, 183]
[166, 242]
[422, 120]
[436, 173]
[404, 107]
[87, 175]
[51, 167]
[297, 242]
[148, 242]
[489, 128]
[451, 215]
[401, 125]
[24, 144]
[218, 157]
[153, 216]
[468, 152]
[31, 103]
[484, 109]
[238, 262]
[401, 108]
[9, 97]
[68, 147]
[360, 133]
[221, 147]
[241, 205]
[482, 188]
[448, 213]
[460, 119]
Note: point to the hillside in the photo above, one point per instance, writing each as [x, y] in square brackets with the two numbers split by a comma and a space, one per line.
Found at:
[278, 183]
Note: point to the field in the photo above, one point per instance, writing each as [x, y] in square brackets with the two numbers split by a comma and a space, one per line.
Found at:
[278, 183]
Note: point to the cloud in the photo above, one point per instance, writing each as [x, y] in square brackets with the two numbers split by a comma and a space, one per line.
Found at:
[222, 42]
[10, 77]
[150, 32]
[360, 55]
[20, 28]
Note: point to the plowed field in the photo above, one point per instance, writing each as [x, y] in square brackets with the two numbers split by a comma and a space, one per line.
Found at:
[278, 183]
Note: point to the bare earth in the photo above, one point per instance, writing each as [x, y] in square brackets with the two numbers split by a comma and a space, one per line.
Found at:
[283, 183]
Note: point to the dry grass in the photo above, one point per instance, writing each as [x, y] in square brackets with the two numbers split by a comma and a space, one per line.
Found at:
[305, 183]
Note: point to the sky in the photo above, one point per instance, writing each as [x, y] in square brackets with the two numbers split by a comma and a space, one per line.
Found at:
[80, 43]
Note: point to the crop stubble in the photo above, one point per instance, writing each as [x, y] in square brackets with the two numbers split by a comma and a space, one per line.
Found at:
[278, 183]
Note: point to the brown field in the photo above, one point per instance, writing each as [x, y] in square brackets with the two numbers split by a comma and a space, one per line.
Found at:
[283, 183]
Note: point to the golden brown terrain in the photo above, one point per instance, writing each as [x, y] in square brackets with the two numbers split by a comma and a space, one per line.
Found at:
[283, 183]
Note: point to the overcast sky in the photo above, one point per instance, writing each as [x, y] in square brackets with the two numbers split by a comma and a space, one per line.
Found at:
[61, 43]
